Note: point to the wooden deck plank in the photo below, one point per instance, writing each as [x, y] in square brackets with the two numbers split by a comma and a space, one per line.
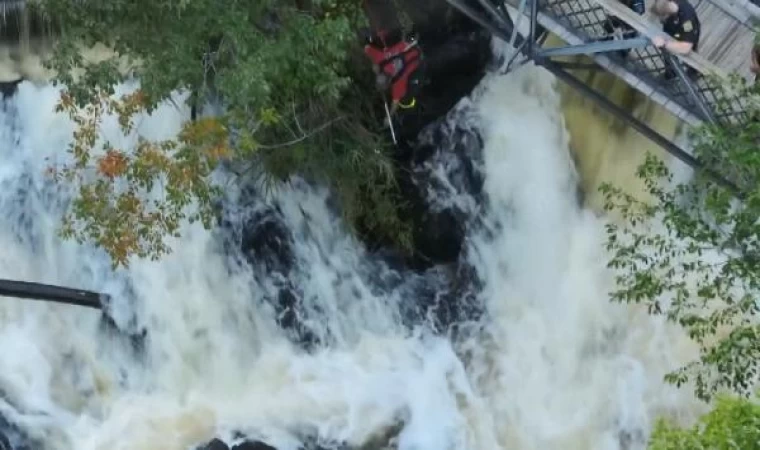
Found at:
[742, 11]
[726, 41]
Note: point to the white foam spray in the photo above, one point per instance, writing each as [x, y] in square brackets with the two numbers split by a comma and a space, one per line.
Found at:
[557, 367]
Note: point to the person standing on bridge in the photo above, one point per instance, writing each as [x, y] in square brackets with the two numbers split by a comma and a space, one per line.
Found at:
[614, 26]
[680, 21]
[614, 23]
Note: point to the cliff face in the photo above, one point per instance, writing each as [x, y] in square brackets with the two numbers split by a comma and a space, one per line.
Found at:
[456, 52]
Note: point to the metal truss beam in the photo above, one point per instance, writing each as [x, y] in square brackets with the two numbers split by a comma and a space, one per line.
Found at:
[638, 125]
[594, 47]
[477, 17]
[690, 85]
[493, 12]
[530, 46]
[533, 26]
[574, 65]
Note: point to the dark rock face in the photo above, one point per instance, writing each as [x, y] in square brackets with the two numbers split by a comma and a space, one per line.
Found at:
[456, 53]
[218, 444]
[311, 440]
[439, 159]
[12, 438]
[9, 88]
[268, 242]
[268, 245]
[443, 187]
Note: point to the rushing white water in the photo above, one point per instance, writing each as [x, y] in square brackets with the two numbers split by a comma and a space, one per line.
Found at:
[555, 367]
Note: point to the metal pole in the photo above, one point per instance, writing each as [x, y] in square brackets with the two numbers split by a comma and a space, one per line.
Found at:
[688, 83]
[593, 47]
[532, 34]
[476, 17]
[520, 14]
[390, 122]
[502, 9]
[572, 65]
[517, 52]
[492, 11]
[58, 294]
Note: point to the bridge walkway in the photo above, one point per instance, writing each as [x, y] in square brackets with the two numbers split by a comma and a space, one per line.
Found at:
[728, 30]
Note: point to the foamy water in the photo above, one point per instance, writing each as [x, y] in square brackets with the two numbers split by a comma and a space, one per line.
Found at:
[556, 366]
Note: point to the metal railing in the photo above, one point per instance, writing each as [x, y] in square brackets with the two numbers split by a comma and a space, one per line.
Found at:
[690, 90]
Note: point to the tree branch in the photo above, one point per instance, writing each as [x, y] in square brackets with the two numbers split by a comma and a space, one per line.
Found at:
[305, 136]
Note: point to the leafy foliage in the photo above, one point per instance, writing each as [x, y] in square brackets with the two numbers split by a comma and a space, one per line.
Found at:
[284, 74]
[692, 252]
[114, 207]
[734, 423]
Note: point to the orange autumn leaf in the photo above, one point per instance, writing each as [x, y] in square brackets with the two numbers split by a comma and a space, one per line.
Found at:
[218, 152]
[113, 164]
[206, 130]
[66, 103]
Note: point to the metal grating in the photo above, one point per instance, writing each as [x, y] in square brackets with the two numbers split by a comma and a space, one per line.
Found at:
[587, 20]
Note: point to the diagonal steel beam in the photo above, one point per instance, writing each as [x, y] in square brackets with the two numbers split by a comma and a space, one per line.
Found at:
[478, 18]
[573, 65]
[640, 126]
[704, 110]
[491, 10]
[520, 14]
[594, 47]
[533, 26]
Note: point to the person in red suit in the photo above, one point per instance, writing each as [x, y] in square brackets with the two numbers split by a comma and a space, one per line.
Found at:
[396, 58]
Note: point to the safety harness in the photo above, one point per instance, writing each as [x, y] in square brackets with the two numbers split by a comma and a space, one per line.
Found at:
[397, 62]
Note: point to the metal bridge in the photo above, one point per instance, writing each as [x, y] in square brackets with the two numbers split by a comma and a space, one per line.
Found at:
[692, 88]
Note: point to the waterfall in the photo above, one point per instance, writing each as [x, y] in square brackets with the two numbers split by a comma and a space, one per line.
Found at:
[210, 341]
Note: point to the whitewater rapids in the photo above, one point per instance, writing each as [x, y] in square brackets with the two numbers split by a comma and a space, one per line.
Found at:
[557, 366]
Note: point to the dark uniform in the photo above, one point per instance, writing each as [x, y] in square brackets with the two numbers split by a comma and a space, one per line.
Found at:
[684, 25]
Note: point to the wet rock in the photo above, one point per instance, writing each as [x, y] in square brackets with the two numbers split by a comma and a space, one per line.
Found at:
[445, 297]
[290, 317]
[9, 88]
[443, 189]
[631, 439]
[267, 241]
[439, 173]
[12, 438]
[267, 246]
[125, 330]
[457, 52]
[134, 338]
[454, 69]
[309, 444]
[443, 185]
[217, 444]
[253, 445]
